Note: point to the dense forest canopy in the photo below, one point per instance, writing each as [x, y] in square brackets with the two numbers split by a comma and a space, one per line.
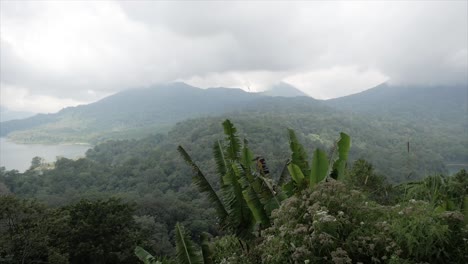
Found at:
[357, 208]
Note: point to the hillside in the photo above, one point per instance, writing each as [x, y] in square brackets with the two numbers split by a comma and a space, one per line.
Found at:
[129, 114]
[419, 103]
[439, 111]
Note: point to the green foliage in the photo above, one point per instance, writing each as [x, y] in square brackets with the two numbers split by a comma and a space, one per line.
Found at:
[145, 257]
[207, 253]
[334, 224]
[363, 177]
[319, 169]
[86, 232]
[204, 186]
[186, 252]
[111, 222]
[23, 231]
[330, 223]
[443, 193]
[233, 147]
[343, 145]
[303, 176]
[298, 156]
[296, 174]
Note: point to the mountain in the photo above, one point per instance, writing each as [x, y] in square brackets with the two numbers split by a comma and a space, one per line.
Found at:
[283, 89]
[130, 113]
[431, 103]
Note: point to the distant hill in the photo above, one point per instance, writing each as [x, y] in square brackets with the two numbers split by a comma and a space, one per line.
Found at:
[431, 103]
[417, 112]
[130, 113]
[283, 89]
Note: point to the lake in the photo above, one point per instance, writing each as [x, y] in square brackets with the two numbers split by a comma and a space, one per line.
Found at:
[18, 156]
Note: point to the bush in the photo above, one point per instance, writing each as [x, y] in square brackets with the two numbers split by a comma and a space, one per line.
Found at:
[334, 224]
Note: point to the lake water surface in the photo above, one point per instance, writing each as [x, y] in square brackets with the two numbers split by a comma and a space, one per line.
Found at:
[18, 156]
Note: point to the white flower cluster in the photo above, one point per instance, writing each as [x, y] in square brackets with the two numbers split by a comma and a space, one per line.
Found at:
[322, 216]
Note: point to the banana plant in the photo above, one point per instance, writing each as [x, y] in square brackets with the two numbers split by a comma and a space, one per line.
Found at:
[185, 250]
[247, 196]
[305, 176]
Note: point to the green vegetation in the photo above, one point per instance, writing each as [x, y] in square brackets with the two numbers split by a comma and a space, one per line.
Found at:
[102, 231]
[405, 132]
[276, 208]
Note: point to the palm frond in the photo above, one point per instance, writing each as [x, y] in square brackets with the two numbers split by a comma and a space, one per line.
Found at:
[186, 252]
[234, 146]
[269, 196]
[298, 156]
[246, 157]
[218, 153]
[255, 206]
[239, 213]
[204, 186]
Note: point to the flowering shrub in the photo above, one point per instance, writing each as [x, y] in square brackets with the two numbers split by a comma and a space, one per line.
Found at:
[333, 224]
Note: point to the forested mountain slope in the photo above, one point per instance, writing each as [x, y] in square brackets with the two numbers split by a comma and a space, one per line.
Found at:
[415, 112]
[127, 114]
[430, 104]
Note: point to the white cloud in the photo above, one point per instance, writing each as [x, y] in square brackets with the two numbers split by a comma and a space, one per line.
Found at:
[19, 99]
[336, 81]
[250, 81]
[63, 49]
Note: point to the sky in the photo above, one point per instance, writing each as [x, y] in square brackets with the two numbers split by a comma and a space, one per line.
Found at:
[55, 54]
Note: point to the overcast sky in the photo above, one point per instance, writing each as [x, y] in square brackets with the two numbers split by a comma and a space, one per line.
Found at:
[63, 53]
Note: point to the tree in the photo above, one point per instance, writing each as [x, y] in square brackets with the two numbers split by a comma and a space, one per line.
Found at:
[101, 231]
[23, 231]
